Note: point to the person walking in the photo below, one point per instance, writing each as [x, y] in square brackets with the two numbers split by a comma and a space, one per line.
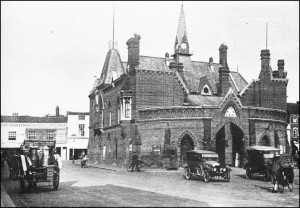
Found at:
[134, 162]
[276, 171]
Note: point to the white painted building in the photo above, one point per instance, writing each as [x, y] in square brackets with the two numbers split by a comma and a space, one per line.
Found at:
[78, 133]
[15, 129]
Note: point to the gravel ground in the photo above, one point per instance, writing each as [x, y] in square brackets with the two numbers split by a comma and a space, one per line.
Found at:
[99, 187]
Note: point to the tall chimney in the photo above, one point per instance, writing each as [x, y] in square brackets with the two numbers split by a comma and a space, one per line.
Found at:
[280, 65]
[133, 51]
[265, 64]
[223, 72]
[57, 111]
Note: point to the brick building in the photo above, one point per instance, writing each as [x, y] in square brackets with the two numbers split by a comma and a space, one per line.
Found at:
[150, 104]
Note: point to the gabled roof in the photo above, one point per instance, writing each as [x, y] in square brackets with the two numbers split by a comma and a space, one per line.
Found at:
[112, 65]
[31, 119]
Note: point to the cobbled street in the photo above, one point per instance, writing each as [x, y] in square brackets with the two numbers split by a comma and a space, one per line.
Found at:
[103, 187]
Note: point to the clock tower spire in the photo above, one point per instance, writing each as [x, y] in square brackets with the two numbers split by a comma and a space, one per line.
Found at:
[181, 42]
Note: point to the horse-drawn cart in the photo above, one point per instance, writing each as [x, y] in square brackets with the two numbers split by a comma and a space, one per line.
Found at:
[39, 163]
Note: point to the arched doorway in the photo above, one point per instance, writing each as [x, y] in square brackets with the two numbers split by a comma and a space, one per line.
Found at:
[230, 145]
[265, 141]
[185, 145]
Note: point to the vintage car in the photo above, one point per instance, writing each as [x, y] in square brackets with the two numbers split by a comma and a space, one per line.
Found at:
[259, 158]
[204, 164]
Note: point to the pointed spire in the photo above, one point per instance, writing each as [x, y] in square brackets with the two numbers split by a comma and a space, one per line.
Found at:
[181, 30]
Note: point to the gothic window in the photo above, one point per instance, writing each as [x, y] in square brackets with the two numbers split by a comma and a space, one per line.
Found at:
[230, 112]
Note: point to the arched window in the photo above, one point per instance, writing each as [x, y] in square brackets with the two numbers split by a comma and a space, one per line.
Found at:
[127, 108]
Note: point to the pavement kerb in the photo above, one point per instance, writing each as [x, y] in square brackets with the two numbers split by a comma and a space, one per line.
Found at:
[116, 168]
[5, 199]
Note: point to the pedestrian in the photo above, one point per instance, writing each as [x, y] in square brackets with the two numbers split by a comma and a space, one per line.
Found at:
[276, 170]
[134, 162]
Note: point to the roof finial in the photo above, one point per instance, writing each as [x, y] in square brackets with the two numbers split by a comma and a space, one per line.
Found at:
[267, 36]
[113, 42]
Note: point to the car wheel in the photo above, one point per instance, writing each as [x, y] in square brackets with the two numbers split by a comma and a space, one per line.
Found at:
[206, 176]
[187, 174]
[248, 172]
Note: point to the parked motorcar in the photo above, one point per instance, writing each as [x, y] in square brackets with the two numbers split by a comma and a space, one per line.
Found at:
[259, 161]
[204, 164]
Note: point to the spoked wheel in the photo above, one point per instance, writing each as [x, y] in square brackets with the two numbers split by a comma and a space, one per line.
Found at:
[187, 174]
[227, 176]
[248, 173]
[206, 176]
[56, 180]
[280, 187]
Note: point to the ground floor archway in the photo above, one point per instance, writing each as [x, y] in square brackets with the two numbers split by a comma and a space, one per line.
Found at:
[186, 144]
[230, 145]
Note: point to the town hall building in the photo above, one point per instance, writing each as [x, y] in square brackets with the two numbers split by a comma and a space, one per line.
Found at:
[152, 104]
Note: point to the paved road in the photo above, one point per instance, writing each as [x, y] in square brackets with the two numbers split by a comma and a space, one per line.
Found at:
[99, 187]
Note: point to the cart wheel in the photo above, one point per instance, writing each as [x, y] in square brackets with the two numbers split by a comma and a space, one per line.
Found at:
[187, 174]
[227, 176]
[248, 172]
[56, 181]
[206, 176]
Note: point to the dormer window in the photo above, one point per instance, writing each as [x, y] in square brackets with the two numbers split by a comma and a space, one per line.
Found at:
[206, 90]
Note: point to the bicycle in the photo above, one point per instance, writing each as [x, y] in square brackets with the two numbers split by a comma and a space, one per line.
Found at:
[285, 178]
[140, 166]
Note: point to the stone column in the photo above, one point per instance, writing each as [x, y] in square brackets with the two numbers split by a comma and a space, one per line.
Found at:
[228, 144]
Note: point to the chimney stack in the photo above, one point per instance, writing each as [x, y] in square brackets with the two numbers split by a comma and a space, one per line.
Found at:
[167, 59]
[223, 72]
[133, 51]
[280, 65]
[223, 55]
[265, 64]
[15, 114]
[211, 60]
[57, 111]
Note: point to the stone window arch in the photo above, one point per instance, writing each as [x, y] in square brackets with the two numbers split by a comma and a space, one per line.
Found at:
[206, 90]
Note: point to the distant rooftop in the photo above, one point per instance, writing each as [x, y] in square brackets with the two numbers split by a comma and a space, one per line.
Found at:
[32, 119]
[77, 113]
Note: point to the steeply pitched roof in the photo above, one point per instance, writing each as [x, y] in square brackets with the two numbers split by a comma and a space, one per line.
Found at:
[31, 119]
[194, 71]
[113, 67]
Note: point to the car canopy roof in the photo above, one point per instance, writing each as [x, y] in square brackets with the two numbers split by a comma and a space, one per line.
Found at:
[263, 148]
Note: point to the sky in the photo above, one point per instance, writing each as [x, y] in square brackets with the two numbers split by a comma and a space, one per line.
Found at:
[52, 52]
